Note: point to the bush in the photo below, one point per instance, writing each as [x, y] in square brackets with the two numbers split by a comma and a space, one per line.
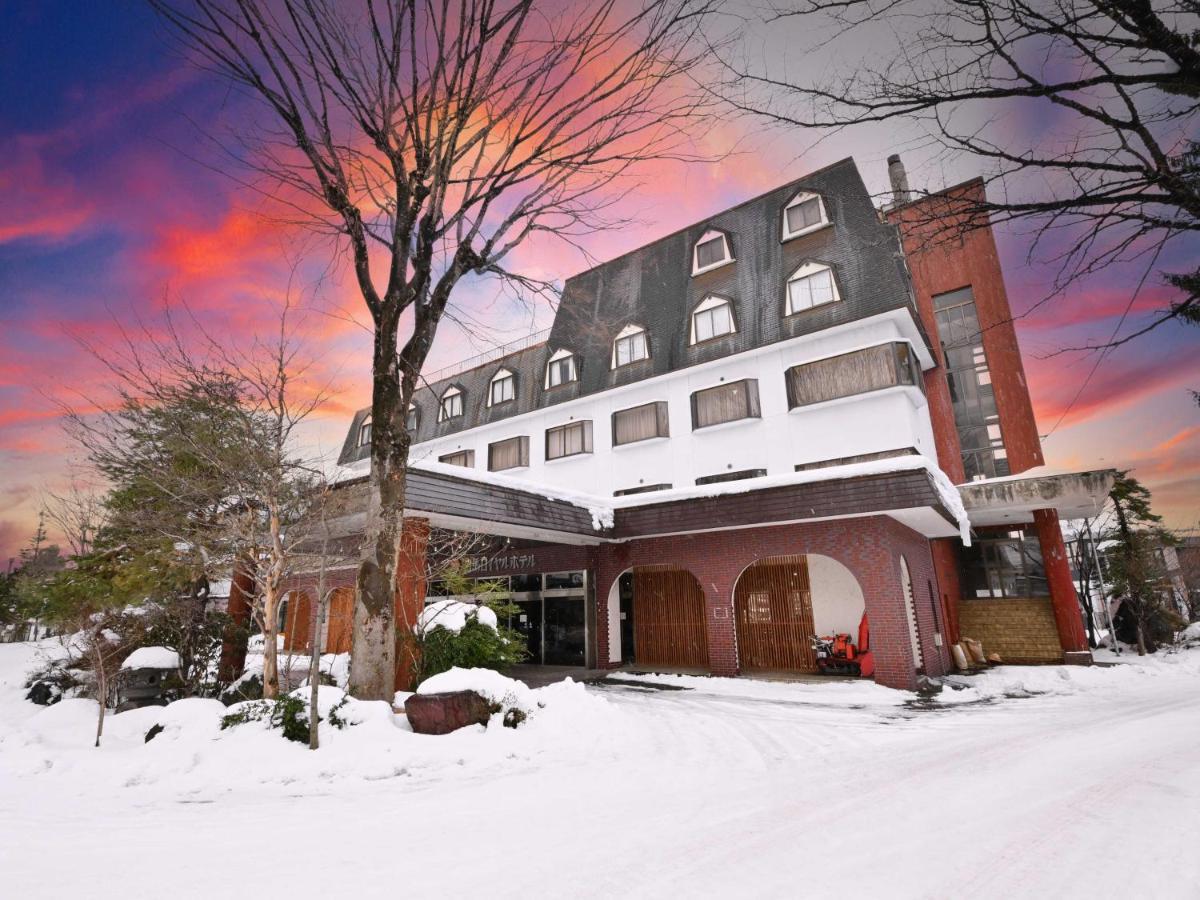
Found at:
[475, 646]
[287, 713]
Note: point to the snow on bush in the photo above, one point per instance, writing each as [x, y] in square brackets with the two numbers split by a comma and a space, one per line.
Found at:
[151, 658]
[453, 615]
[1191, 634]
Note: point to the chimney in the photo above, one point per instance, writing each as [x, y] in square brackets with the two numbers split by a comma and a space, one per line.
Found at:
[899, 179]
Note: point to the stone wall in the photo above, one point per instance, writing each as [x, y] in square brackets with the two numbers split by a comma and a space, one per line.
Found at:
[1020, 630]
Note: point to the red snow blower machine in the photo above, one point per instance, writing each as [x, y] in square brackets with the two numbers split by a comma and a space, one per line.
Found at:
[838, 655]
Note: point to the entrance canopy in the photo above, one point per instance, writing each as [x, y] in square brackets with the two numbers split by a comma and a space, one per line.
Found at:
[1012, 500]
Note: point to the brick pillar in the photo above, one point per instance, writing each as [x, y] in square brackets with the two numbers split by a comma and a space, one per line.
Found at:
[1067, 615]
[410, 595]
[237, 633]
[718, 620]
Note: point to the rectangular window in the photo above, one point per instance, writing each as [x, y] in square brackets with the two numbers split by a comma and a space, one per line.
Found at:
[1009, 566]
[569, 440]
[410, 421]
[642, 489]
[452, 407]
[509, 454]
[630, 349]
[710, 323]
[464, 458]
[725, 403]
[859, 372]
[970, 381]
[504, 389]
[803, 215]
[811, 290]
[732, 476]
[710, 252]
[561, 371]
[640, 423]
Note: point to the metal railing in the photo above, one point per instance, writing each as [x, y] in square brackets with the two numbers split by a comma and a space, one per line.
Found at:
[487, 356]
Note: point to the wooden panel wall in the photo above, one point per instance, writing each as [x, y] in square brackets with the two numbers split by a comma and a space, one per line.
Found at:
[773, 609]
[668, 618]
[341, 621]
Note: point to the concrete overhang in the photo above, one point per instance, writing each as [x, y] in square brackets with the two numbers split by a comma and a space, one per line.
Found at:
[1012, 500]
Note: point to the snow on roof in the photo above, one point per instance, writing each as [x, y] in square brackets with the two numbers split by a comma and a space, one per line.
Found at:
[151, 658]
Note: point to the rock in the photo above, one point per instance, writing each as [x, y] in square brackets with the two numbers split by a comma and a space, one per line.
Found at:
[443, 713]
[155, 731]
[44, 693]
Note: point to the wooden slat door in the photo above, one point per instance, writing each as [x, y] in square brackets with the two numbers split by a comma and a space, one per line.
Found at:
[340, 621]
[668, 618]
[773, 609]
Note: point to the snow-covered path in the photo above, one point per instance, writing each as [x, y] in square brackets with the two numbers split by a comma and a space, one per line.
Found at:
[736, 789]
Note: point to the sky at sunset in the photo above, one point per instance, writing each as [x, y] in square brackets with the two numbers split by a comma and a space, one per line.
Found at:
[107, 212]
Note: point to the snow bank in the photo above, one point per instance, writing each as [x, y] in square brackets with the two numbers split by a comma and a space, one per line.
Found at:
[452, 615]
[151, 658]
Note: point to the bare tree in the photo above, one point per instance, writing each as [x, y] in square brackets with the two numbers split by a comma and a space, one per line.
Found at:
[1112, 174]
[78, 511]
[434, 140]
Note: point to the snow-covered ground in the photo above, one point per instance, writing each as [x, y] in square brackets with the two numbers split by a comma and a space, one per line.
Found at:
[1030, 782]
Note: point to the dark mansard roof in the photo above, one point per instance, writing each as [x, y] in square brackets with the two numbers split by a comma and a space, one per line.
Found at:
[653, 287]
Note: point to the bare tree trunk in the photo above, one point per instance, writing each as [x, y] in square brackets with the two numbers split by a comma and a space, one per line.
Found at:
[98, 664]
[318, 626]
[270, 644]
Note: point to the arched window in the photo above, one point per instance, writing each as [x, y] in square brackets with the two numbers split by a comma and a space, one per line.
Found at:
[712, 318]
[810, 285]
[561, 369]
[452, 404]
[805, 213]
[503, 387]
[630, 346]
[711, 252]
[364, 432]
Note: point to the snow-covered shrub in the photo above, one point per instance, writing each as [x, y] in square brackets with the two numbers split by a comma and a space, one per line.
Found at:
[287, 713]
[477, 644]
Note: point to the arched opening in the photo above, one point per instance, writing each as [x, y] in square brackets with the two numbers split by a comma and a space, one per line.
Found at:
[781, 602]
[339, 621]
[657, 618]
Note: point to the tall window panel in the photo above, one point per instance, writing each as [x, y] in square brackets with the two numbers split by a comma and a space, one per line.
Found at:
[725, 403]
[970, 380]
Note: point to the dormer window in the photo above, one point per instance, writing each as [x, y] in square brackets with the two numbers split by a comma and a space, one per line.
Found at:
[810, 285]
[503, 388]
[805, 213]
[452, 405]
[630, 346]
[711, 252]
[561, 369]
[711, 319]
[410, 420]
[364, 433]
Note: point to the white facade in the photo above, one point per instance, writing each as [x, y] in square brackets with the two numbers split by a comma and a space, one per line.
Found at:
[889, 419]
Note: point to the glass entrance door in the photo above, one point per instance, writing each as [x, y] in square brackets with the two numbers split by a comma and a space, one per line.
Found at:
[528, 623]
[565, 631]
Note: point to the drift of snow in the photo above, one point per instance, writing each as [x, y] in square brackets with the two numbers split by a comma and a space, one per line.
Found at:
[1015, 786]
[452, 615]
[151, 658]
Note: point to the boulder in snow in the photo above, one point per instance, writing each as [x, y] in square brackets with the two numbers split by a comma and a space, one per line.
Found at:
[444, 713]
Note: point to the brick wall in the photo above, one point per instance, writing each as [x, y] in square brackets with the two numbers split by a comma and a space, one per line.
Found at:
[1020, 630]
[869, 547]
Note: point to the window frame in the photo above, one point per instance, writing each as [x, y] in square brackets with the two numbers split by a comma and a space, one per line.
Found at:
[412, 418]
[451, 393]
[522, 453]
[584, 425]
[803, 272]
[711, 235]
[708, 304]
[799, 200]
[500, 377]
[662, 422]
[559, 356]
[753, 408]
[629, 333]
[902, 364]
[468, 456]
[364, 433]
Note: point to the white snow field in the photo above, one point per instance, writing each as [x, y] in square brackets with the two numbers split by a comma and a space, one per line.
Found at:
[1047, 782]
